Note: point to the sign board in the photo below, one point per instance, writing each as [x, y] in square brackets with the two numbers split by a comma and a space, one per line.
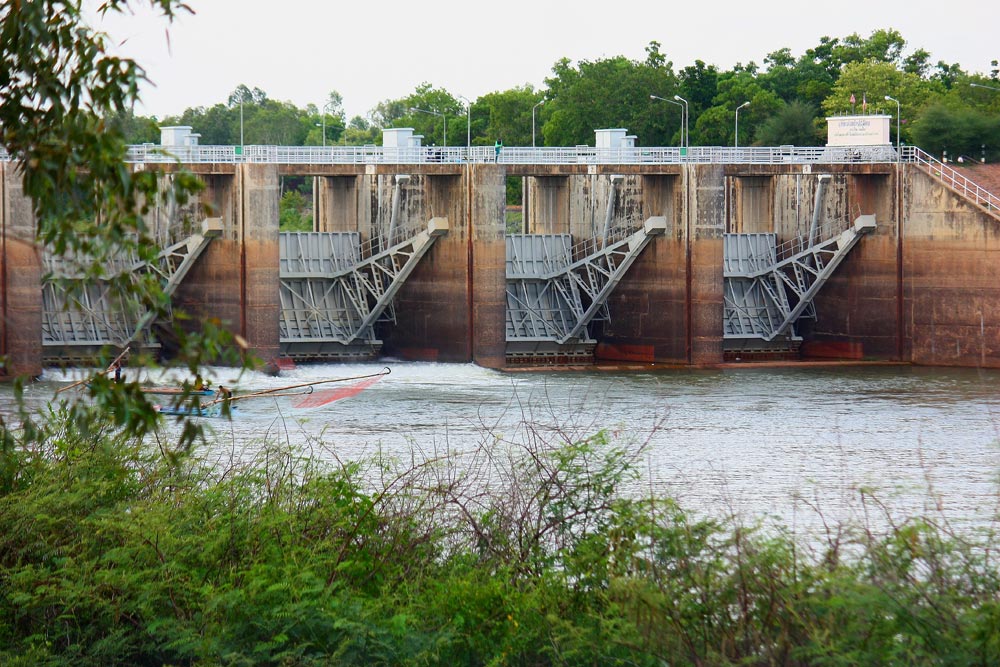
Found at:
[858, 130]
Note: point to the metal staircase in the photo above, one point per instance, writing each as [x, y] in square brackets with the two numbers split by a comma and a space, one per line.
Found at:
[334, 290]
[552, 297]
[768, 288]
[80, 315]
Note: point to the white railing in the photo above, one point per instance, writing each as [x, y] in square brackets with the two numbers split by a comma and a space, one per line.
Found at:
[953, 179]
[154, 154]
[148, 153]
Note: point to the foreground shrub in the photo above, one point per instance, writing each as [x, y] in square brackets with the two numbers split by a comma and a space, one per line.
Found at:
[523, 552]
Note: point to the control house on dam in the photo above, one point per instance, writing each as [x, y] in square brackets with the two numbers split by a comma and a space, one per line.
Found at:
[858, 250]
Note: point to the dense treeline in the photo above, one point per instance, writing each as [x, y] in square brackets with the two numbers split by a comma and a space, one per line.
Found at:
[789, 97]
[526, 552]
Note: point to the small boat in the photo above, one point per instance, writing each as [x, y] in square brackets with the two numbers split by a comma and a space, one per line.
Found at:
[207, 410]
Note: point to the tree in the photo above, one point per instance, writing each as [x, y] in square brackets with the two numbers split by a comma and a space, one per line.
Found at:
[794, 124]
[958, 131]
[508, 116]
[58, 86]
[715, 125]
[871, 82]
[134, 129]
[882, 46]
[612, 92]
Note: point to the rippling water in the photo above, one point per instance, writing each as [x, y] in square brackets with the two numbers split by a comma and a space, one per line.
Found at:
[768, 443]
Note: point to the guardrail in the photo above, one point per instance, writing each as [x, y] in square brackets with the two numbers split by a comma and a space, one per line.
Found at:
[150, 153]
[953, 179]
[155, 154]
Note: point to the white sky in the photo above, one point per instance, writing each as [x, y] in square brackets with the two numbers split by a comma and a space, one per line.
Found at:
[298, 50]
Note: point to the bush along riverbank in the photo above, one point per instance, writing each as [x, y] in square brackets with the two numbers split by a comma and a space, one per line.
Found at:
[515, 553]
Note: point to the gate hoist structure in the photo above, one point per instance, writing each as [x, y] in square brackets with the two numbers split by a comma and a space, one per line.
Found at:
[555, 289]
[81, 315]
[770, 287]
[334, 289]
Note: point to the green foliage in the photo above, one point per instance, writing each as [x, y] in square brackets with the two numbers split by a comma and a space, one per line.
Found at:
[613, 92]
[533, 554]
[609, 93]
[958, 131]
[507, 116]
[65, 105]
[716, 125]
[440, 112]
[794, 124]
[295, 212]
[871, 82]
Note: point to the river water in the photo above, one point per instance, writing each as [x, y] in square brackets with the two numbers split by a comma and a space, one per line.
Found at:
[790, 446]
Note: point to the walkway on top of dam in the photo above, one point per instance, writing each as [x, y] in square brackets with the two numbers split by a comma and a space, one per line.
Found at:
[514, 155]
[309, 160]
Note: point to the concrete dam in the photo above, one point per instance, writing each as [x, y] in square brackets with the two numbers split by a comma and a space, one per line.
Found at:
[637, 255]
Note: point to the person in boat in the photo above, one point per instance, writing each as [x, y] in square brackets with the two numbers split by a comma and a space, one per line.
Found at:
[226, 394]
[199, 383]
[117, 367]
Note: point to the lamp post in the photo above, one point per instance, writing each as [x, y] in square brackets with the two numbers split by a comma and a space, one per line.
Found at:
[898, 143]
[664, 99]
[736, 128]
[537, 104]
[979, 85]
[325, 108]
[435, 113]
[468, 122]
[687, 134]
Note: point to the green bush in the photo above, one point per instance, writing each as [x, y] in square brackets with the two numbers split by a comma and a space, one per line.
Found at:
[532, 554]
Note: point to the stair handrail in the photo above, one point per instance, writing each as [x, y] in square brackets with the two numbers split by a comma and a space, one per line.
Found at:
[954, 179]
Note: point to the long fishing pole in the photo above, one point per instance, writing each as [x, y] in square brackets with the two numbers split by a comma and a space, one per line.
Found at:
[267, 392]
[117, 361]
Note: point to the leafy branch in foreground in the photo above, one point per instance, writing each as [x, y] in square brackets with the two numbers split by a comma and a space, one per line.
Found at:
[58, 85]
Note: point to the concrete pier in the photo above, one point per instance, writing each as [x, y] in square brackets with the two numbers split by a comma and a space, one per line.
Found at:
[20, 280]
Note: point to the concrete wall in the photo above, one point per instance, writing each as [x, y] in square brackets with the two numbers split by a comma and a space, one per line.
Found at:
[649, 307]
[951, 276]
[336, 203]
[706, 219]
[433, 308]
[548, 204]
[236, 279]
[858, 310]
[488, 259]
[20, 280]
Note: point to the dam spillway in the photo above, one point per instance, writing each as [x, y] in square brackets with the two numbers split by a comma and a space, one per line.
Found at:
[918, 286]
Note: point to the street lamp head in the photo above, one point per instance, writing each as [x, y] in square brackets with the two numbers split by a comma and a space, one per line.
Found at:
[745, 104]
[678, 97]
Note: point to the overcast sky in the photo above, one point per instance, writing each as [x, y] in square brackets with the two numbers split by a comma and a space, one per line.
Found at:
[298, 50]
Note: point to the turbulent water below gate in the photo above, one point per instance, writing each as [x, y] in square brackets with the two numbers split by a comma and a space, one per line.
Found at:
[775, 444]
